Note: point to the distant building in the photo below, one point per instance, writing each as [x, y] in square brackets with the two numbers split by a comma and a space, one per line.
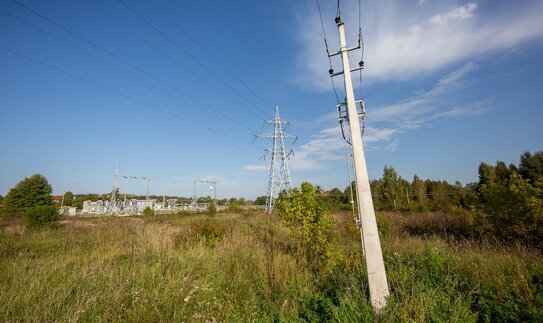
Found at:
[57, 199]
[68, 210]
[90, 207]
[132, 206]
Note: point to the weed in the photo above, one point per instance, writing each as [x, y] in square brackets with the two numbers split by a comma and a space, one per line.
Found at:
[249, 268]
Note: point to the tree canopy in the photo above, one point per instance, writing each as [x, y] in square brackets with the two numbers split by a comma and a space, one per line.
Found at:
[30, 192]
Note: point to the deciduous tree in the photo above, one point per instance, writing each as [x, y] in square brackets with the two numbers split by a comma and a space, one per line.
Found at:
[30, 192]
[309, 223]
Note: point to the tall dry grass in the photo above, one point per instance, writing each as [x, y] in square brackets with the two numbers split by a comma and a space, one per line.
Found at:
[234, 267]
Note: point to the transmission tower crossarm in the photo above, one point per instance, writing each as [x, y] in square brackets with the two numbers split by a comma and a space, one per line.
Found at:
[289, 136]
[268, 135]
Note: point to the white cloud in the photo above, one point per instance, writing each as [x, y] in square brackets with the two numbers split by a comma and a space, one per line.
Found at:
[329, 145]
[453, 79]
[404, 40]
[456, 14]
[304, 161]
[375, 135]
[472, 109]
[388, 122]
[412, 112]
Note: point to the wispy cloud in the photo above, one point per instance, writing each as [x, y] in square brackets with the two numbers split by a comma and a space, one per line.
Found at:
[389, 121]
[410, 112]
[329, 145]
[408, 38]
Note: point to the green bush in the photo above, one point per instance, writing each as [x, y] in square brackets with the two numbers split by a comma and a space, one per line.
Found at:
[208, 231]
[211, 209]
[148, 211]
[28, 193]
[42, 215]
[310, 224]
[234, 207]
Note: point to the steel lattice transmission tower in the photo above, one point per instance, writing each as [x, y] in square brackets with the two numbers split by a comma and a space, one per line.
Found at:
[279, 179]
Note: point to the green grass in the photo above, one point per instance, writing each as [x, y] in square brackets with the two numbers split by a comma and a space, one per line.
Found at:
[234, 267]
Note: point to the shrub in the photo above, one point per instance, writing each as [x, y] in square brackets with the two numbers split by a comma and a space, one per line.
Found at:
[148, 211]
[310, 224]
[42, 215]
[234, 207]
[28, 193]
[211, 209]
[207, 231]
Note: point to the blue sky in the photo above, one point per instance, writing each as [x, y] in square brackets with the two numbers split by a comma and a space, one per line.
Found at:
[447, 84]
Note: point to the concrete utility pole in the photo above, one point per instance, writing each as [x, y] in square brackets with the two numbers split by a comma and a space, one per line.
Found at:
[194, 200]
[114, 191]
[279, 178]
[64, 191]
[374, 258]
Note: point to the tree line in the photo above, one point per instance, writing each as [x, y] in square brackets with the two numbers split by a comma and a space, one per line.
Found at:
[505, 202]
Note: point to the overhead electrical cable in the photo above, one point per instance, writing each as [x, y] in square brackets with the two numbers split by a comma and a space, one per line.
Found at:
[169, 57]
[203, 160]
[186, 52]
[331, 70]
[361, 44]
[100, 86]
[218, 61]
[224, 117]
[119, 58]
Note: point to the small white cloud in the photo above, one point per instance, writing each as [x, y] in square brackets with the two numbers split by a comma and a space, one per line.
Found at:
[329, 145]
[374, 135]
[393, 145]
[304, 161]
[456, 14]
[454, 78]
[473, 109]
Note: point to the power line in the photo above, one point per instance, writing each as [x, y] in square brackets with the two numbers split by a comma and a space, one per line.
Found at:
[79, 78]
[115, 56]
[361, 63]
[186, 52]
[202, 161]
[331, 70]
[169, 57]
[210, 54]
[223, 118]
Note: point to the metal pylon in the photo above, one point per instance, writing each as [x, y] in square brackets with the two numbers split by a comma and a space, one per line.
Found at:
[279, 179]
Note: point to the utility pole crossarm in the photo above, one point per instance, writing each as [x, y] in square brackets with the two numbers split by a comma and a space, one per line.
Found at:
[339, 52]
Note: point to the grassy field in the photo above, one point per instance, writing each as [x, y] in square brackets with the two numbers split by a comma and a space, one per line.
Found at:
[245, 267]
